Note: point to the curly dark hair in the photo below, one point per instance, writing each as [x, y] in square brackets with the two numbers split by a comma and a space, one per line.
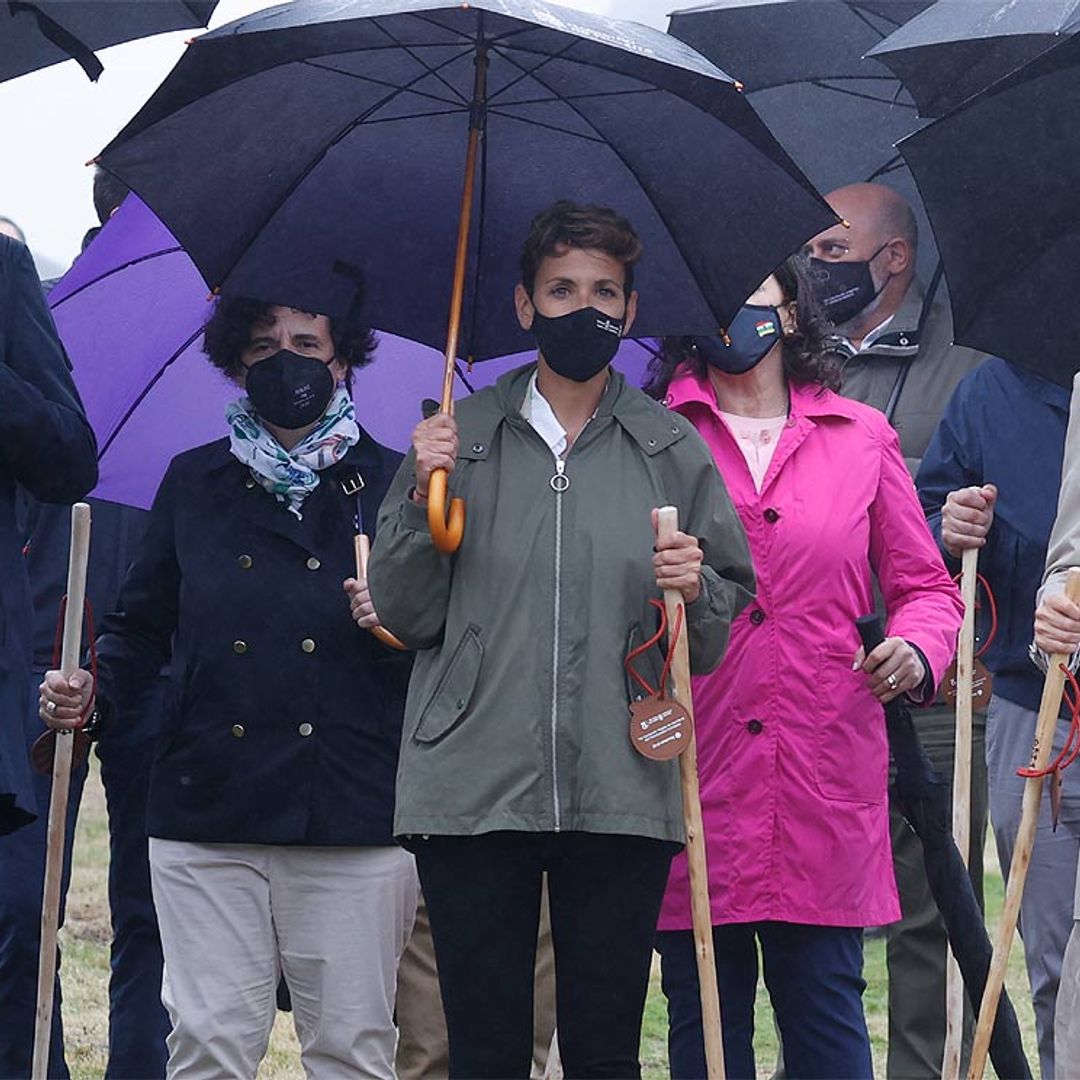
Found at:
[228, 333]
[568, 224]
[807, 351]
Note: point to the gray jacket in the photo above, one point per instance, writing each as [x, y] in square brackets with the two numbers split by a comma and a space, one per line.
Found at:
[517, 712]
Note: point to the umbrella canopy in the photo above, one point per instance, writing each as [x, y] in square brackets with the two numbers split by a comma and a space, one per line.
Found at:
[924, 799]
[131, 312]
[326, 134]
[837, 114]
[999, 177]
[958, 47]
[37, 33]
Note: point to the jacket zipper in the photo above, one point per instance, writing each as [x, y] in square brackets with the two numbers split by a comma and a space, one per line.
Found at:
[559, 483]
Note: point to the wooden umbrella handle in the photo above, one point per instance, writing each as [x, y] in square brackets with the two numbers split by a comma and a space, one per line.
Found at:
[1049, 708]
[362, 547]
[447, 527]
[667, 525]
[961, 808]
[58, 798]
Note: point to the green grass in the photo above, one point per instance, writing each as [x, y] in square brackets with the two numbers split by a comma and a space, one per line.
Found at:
[85, 973]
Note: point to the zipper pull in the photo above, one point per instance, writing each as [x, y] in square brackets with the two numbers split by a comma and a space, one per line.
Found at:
[560, 482]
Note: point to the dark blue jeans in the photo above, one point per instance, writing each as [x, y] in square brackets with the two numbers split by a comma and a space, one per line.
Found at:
[814, 978]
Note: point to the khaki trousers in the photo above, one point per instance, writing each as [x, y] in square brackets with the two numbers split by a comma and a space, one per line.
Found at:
[423, 1052]
[233, 917]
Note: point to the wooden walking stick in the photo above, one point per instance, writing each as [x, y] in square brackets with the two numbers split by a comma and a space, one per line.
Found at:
[1046, 725]
[961, 807]
[61, 785]
[362, 546]
[666, 526]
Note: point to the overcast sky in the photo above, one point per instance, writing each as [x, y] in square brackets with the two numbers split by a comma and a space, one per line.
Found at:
[53, 121]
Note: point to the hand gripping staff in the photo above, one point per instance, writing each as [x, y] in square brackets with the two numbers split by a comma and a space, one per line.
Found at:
[61, 784]
[961, 807]
[922, 797]
[1049, 708]
[666, 526]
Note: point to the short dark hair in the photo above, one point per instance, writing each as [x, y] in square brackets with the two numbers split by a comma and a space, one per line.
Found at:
[109, 192]
[568, 224]
[808, 352]
[229, 329]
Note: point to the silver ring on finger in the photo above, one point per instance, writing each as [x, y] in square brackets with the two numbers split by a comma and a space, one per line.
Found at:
[50, 707]
[891, 680]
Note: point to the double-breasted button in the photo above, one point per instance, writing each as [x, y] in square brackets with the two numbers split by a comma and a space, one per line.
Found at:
[771, 516]
[238, 730]
[305, 729]
[244, 562]
[249, 483]
[307, 645]
[755, 727]
[239, 647]
[313, 563]
[757, 616]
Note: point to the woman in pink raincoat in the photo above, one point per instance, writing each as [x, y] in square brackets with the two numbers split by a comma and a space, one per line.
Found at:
[792, 750]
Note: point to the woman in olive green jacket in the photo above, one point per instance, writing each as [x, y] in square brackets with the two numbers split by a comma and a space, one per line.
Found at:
[516, 755]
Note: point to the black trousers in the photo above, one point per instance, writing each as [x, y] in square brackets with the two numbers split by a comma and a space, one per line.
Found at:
[483, 898]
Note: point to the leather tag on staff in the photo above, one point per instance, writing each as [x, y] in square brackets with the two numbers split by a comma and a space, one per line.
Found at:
[659, 728]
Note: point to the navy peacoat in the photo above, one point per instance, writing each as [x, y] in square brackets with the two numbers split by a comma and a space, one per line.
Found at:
[284, 717]
[47, 447]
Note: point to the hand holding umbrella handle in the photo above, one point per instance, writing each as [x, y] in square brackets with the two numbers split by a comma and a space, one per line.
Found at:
[1045, 726]
[446, 529]
[363, 550]
[667, 525]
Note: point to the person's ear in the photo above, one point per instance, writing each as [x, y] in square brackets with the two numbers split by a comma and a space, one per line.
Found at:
[897, 255]
[524, 306]
[631, 313]
[339, 369]
[789, 317]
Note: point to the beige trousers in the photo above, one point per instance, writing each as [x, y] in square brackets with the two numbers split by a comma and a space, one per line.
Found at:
[234, 917]
[423, 1052]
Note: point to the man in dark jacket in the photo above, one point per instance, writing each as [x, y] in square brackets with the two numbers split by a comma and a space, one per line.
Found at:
[47, 447]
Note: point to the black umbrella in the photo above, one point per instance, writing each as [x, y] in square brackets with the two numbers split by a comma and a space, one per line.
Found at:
[837, 114]
[958, 47]
[37, 33]
[999, 177]
[289, 146]
[923, 798]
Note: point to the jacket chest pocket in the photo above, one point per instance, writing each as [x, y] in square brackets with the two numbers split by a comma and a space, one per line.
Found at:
[454, 690]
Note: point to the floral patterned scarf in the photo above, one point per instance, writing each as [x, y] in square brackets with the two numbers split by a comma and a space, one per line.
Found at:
[292, 475]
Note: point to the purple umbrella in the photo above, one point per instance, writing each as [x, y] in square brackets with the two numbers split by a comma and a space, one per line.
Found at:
[130, 313]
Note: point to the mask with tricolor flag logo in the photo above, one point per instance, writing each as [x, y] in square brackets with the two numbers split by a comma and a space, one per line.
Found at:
[752, 333]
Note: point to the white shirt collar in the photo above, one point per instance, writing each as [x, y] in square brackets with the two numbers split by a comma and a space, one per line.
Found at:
[541, 416]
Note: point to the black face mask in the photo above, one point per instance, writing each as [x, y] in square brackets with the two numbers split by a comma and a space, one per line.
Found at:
[753, 332]
[843, 289]
[290, 390]
[578, 345]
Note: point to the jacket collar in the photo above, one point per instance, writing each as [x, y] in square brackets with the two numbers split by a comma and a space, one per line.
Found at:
[687, 392]
[900, 337]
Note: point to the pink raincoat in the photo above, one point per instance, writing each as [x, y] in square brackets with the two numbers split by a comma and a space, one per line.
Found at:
[792, 751]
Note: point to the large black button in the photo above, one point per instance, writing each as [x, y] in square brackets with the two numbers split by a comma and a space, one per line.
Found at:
[757, 616]
[754, 727]
[772, 516]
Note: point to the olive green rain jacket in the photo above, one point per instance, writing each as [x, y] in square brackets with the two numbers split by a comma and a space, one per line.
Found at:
[517, 715]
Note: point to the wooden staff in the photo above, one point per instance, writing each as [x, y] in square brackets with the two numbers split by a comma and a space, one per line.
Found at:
[362, 547]
[961, 820]
[666, 527]
[1049, 708]
[58, 799]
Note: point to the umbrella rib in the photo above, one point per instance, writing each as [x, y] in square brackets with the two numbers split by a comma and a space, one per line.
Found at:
[116, 270]
[430, 70]
[526, 73]
[861, 95]
[145, 391]
[579, 97]
[857, 8]
[315, 160]
[378, 82]
[411, 116]
[648, 195]
[547, 127]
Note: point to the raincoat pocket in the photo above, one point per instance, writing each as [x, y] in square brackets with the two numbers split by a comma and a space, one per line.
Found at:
[454, 691]
[850, 757]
